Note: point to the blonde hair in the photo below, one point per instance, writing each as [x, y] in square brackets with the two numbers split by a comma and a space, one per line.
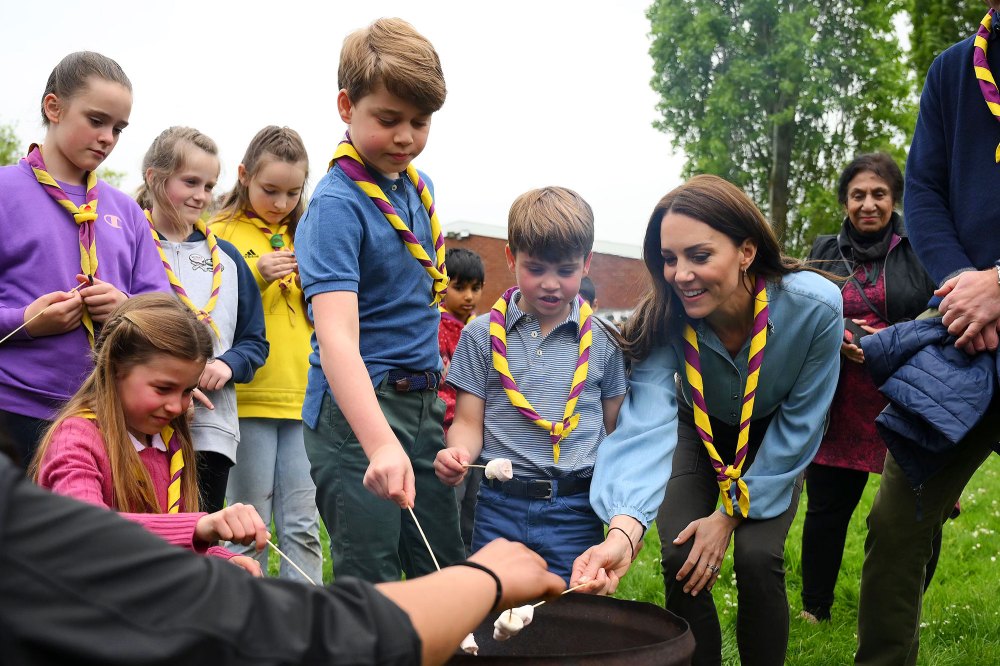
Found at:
[551, 223]
[165, 157]
[70, 76]
[391, 52]
[138, 330]
[279, 143]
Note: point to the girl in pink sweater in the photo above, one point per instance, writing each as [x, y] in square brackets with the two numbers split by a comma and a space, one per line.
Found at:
[123, 440]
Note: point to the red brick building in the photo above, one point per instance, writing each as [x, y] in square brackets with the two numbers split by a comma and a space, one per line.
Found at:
[616, 269]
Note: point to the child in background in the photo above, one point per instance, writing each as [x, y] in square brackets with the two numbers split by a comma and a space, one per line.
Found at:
[557, 364]
[123, 441]
[588, 291]
[371, 256]
[259, 217]
[210, 277]
[466, 274]
[53, 206]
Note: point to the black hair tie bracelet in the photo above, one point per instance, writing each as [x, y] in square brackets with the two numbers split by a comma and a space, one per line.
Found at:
[627, 538]
[496, 579]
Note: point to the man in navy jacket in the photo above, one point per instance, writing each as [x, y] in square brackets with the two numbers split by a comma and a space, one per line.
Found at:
[953, 218]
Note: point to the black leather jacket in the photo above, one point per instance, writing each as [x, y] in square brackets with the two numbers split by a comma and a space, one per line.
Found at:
[907, 285]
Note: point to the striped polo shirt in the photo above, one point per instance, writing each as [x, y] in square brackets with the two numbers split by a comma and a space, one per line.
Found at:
[543, 368]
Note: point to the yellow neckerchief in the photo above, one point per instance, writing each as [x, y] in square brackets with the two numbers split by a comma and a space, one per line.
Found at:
[204, 314]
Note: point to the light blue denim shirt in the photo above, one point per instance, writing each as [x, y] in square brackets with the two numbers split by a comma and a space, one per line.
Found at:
[797, 381]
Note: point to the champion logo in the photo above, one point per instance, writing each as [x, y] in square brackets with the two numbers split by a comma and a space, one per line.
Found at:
[249, 254]
[113, 221]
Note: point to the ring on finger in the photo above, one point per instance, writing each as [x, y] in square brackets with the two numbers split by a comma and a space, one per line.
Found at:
[714, 569]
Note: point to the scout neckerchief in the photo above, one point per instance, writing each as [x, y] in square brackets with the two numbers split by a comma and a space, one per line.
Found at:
[176, 462]
[84, 216]
[987, 84]
[204, 314]
[726, 474]
[348, 159]
[277, 242]
[558, 430]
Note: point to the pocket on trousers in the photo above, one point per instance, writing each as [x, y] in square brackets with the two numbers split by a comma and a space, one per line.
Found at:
[578, 505]
[338, 430]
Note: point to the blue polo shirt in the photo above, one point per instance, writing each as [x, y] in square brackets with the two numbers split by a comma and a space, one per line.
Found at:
[344, 243]
[543, 368]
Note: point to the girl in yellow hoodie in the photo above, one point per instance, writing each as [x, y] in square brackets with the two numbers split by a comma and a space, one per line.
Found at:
[259, 217]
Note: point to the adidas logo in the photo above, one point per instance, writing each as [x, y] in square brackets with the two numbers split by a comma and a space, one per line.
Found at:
[249, 254]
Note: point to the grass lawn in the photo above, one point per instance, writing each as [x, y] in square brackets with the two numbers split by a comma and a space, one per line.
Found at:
[961, 618]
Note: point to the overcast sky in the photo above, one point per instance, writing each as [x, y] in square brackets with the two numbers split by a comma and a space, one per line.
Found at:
[542, 92]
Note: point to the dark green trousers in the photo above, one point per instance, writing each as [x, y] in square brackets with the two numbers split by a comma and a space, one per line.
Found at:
[898, 548]
[372, 538]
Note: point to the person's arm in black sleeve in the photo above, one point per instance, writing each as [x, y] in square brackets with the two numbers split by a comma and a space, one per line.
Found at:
[81, 585]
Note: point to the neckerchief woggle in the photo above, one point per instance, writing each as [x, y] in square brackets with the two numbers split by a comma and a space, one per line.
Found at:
[84, 216]
[277, 242]
[727, 474]
[176, 457]
[348, 159]
[558, 430]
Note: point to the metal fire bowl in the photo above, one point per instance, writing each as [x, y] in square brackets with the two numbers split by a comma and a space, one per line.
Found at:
[586, 629]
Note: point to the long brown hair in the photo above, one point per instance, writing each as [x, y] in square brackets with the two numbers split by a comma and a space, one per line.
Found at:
[137, 331]
[722, 206]
[276, 143]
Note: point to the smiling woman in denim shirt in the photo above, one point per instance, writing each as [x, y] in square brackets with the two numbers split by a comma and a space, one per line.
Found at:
[731, 332]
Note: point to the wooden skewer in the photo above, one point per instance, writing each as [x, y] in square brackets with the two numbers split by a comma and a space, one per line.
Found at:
[426, 542]
[289, 560]
[576, 587]
[39, 314]
[480, 466]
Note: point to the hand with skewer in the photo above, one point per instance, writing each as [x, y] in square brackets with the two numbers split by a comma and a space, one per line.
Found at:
[100, 297]
[53, 313]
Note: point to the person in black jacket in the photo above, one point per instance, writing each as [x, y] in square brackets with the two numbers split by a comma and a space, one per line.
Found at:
[81, 585]
[883, 284]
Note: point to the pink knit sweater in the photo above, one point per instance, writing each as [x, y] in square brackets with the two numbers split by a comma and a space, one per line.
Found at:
[76, 464]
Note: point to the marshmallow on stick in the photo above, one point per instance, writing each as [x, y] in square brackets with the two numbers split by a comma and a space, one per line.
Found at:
[469, 645]
[510, 622]
[500, 469]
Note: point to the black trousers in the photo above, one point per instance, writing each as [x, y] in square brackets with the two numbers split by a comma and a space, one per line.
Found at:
[758, 551]
[20, 436]
[833, 493]
[213, 477]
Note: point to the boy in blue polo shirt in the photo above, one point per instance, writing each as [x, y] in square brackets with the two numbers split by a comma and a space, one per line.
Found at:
[371, 258]
[540, 383]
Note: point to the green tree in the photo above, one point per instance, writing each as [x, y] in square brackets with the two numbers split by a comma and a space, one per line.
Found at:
[937, 24]
[111, 177]
[777, 95]
[10, 145]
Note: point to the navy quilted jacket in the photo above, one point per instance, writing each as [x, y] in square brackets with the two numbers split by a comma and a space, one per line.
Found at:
[937, 393]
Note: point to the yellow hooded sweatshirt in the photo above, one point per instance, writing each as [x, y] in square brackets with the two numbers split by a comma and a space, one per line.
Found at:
[278, 388]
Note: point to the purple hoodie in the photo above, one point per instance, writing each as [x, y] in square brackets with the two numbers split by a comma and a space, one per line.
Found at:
[40, 253]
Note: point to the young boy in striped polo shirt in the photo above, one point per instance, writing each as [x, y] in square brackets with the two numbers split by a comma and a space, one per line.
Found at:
[539, 382]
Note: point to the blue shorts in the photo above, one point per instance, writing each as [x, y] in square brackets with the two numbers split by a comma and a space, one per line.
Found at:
[558, 529]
